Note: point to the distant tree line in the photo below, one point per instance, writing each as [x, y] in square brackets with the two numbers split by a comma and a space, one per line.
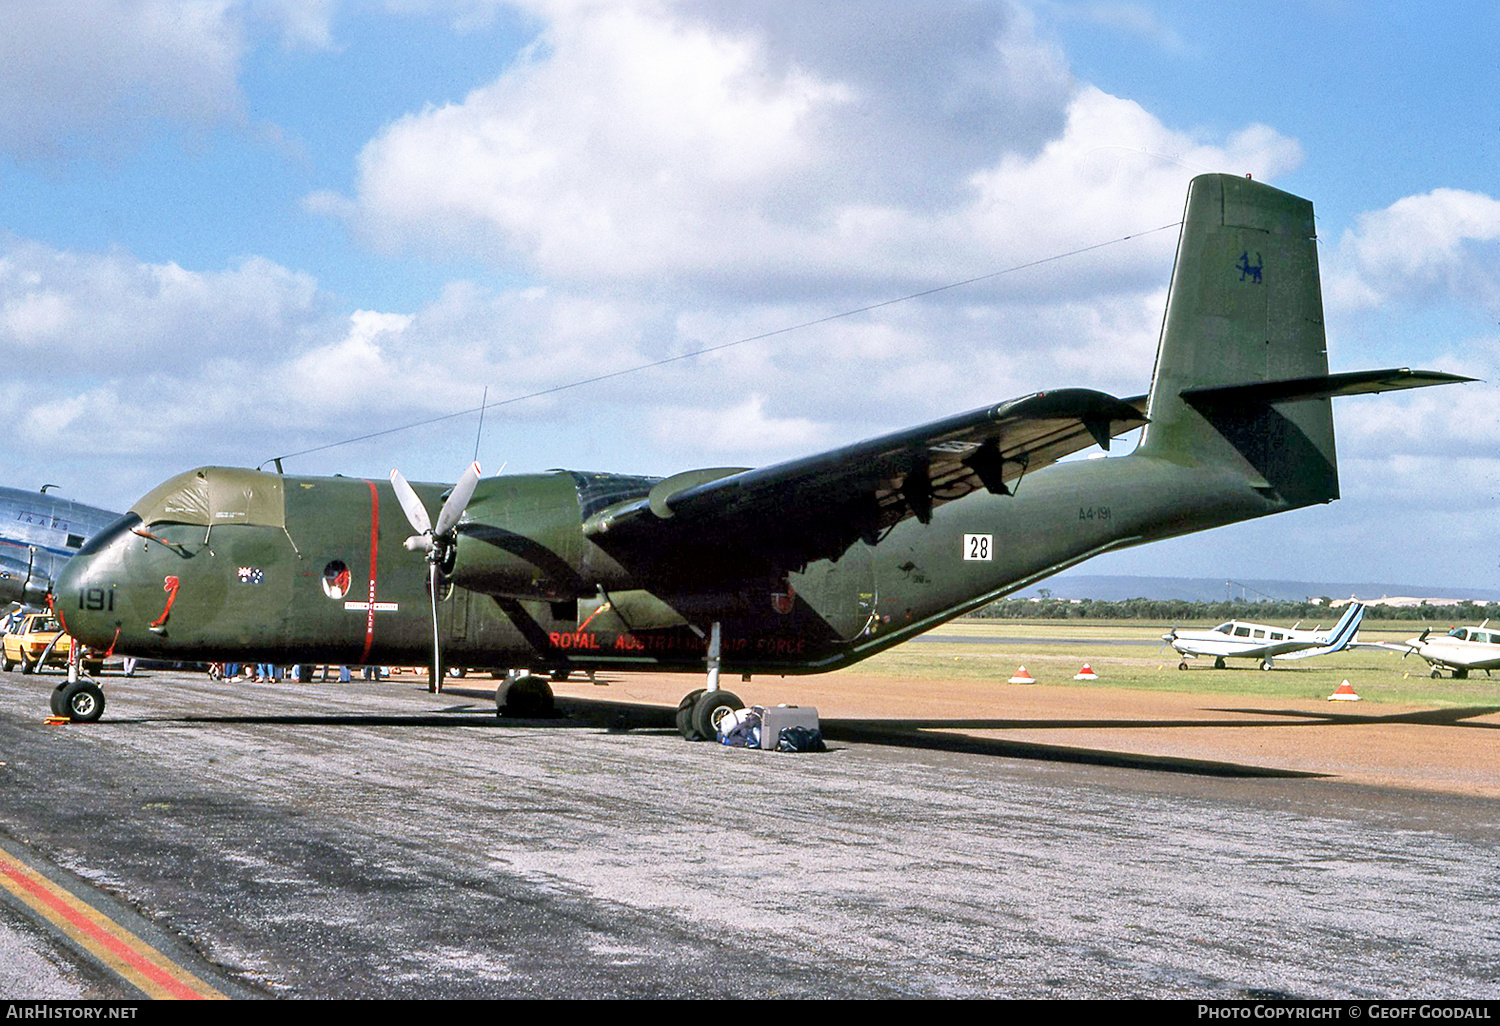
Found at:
[1174, 610]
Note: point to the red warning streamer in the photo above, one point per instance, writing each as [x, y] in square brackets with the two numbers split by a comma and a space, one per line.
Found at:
[170, 586]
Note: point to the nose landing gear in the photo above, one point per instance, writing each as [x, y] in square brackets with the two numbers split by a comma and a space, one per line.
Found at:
[81, 701]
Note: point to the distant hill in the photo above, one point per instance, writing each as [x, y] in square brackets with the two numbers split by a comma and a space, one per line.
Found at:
[1214, 589]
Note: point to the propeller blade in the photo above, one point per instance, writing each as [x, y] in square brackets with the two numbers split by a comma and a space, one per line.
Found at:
[458, 500]
[436, 541]
[412, 506]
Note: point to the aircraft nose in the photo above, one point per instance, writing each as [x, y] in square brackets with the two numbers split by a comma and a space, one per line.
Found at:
[83, 601]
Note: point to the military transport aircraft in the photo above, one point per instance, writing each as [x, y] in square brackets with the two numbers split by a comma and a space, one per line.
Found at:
[1460, 650]
[38, 534]
[799, 567]
[1239, 639]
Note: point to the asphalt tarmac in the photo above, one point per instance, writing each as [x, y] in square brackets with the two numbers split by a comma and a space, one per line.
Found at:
[371, 840]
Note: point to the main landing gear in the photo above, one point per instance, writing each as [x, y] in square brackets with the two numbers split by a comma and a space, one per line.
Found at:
[524, 695]
[699, 712]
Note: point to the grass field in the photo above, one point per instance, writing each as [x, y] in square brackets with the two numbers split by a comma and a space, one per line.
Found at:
[1052, 653]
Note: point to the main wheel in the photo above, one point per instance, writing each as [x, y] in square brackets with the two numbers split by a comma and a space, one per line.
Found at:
[1182, 665]
[528, 697]
[1265, 664]
[1218, 662]
[685, 714]
[708, 710]
[56, 700]
[1436, 673]
[83, 701]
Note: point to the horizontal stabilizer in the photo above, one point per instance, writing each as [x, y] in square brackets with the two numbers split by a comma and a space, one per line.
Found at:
[1319, 386]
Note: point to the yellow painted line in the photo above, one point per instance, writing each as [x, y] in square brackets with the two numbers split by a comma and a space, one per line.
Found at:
[153, 973]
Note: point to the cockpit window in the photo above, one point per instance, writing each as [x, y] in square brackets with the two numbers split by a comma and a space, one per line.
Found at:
[125, 523]
[1460, 633]
[1224, 628]
[216, 495]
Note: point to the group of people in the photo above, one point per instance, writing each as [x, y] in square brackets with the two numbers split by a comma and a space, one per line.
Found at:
[269, 673]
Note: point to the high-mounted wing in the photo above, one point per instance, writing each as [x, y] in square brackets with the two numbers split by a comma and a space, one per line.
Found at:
[781, 517]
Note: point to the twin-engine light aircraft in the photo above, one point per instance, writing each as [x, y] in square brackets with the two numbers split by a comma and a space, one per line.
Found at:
[799, 567]
[1239, 639]
[1460, 650]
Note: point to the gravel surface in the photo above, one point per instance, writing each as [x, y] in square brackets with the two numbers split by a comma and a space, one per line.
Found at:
[371, 840]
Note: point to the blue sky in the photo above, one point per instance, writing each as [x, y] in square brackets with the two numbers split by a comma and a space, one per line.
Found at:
[235, 229]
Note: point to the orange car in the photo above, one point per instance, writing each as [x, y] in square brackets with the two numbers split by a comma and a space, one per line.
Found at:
[25, 644]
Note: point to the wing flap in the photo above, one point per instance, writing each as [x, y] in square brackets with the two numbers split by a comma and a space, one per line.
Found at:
[816, 506]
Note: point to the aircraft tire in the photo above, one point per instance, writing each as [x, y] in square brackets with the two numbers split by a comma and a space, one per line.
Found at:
[1436, 673]
[1461, 674]
[528, 697]
[56, 701]
[707, 705]
[685, 715]
[1265, 664]
[1218, 662]
[83, 701]
[1182, 665]
[560, 675]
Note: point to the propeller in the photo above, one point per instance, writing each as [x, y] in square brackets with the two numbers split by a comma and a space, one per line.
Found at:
[438, 540]
[1166, 642]
[1420, 640]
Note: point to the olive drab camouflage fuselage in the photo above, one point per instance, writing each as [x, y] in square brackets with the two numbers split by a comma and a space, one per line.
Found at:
[805, 566]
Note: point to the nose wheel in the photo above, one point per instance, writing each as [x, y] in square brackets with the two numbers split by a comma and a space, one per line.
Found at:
[81, 701]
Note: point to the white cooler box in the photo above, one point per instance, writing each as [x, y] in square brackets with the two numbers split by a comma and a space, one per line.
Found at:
[774, 718]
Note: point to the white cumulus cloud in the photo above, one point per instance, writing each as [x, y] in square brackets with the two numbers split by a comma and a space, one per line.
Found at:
[1442, 245]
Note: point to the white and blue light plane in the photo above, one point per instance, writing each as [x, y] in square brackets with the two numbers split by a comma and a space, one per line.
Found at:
[1239, 639]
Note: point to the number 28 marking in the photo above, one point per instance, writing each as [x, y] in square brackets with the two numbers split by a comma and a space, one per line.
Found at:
[979, 547]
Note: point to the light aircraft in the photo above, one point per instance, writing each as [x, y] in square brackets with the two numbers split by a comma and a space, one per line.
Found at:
[799, 567]
[38, 534]
[1239, 639]
[1460, 650]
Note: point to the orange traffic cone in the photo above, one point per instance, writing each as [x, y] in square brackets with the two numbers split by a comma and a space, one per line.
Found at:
[1087, 673]
[1022, 677]
[1343, 693]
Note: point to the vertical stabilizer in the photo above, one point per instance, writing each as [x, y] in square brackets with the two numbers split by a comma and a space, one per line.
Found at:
[1245, 306]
